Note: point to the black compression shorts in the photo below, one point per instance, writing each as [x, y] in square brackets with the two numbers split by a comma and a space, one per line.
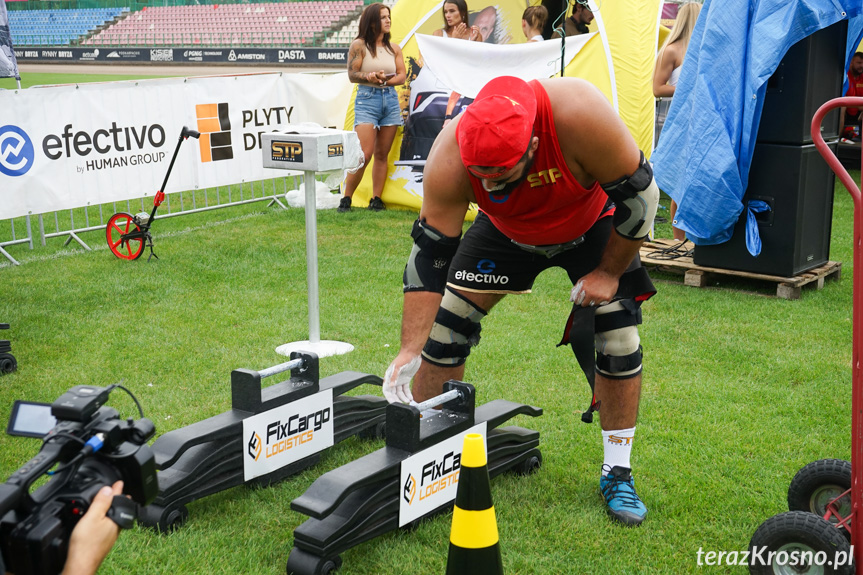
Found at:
[488, 261]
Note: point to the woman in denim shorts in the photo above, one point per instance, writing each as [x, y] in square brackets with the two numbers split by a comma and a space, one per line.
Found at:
[376, 66]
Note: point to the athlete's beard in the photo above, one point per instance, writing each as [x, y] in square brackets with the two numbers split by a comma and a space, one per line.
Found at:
[509, 187]
[581, 27]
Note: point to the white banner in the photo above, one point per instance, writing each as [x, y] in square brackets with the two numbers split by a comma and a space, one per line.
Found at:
[466, 68]
[429, 478]
[287, 434]
[65, 147]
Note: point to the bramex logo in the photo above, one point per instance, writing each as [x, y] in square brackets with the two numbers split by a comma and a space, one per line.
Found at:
[16, 151]
[214, 124]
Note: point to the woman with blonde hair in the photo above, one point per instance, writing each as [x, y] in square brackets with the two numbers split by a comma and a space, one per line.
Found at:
[533, 21]
[669, 60]
[377, 66]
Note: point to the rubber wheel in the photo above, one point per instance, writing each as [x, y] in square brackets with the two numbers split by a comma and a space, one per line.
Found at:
[819, 483]
[801, 543]
[303, 563]
[173, 519]
[8, 364]
[119, 224]
[330, 565]
[530, 465]
[376, 431]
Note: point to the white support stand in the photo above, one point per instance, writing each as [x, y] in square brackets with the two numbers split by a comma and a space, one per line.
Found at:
[308, 153]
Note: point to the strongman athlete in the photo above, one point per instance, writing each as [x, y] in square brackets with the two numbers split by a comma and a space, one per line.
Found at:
[559, 181]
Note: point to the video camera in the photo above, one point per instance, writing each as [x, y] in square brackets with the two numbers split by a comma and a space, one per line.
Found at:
[92, 447]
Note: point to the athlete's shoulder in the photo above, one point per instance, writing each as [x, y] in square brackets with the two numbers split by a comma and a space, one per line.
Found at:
[444, 167]
[572, 91]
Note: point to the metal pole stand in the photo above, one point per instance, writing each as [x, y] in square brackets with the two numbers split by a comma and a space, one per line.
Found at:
[414, 477]
[268, 435]
[311, 153]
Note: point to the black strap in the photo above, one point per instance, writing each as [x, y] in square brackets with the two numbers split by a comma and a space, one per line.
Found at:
[617, 364]
[444, 247]
[461, 325]
[436, 349]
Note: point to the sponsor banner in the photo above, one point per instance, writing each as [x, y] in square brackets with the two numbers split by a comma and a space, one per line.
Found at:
[311, 56]
[64, 147]
[288, 433]
[214, 55]
[429, 479]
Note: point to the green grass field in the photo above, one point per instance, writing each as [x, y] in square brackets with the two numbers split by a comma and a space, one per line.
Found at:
[740, 389]
[38, 79]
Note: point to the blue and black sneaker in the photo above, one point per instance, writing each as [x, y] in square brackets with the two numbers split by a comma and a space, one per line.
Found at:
[619, 493]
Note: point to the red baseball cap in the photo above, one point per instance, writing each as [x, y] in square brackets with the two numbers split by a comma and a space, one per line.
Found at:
[496, 128]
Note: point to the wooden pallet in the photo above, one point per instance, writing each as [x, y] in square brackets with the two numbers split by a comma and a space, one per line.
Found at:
[699, 276]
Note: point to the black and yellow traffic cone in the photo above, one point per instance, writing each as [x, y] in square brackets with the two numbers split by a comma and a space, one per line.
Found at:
[473, 542]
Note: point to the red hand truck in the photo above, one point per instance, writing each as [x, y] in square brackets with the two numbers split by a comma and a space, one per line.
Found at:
[822, 533]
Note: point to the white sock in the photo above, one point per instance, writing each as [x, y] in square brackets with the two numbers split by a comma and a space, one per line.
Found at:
[617, 445]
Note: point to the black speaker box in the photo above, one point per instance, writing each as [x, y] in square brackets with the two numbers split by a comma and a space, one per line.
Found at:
[797, 184]
[811, 73]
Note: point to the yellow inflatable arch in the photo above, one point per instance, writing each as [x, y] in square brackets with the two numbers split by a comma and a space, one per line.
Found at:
[618, 59]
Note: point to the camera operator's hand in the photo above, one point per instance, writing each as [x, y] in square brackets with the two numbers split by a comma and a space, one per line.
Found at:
[94, 535]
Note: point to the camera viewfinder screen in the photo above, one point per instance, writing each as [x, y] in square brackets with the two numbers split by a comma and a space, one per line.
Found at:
[31, 419]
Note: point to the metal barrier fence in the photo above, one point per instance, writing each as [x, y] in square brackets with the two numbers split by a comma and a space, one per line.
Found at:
[70, 223]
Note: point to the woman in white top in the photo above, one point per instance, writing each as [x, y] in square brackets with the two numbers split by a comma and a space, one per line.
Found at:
[669, 60]
[456, 22]
[533, 21]
[377, 66]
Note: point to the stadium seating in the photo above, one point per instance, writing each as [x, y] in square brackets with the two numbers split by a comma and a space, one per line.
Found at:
[58, 27]
[343, 36]
[266, 24]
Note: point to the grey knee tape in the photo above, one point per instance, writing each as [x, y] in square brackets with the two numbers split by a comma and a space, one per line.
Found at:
[618, 349]
[456, 329]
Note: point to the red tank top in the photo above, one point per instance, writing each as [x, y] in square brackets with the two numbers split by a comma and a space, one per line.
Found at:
[550, 206]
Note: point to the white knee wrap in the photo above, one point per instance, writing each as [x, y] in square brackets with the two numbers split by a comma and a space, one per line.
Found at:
[618, 350]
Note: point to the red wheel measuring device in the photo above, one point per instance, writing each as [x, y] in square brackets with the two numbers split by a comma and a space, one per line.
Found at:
[127, 234]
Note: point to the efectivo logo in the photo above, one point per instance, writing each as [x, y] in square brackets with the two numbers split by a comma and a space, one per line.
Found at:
[214, 124]
[16, 151]
[485, 266]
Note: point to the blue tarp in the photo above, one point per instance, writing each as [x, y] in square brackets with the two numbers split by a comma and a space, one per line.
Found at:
[703, 156]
